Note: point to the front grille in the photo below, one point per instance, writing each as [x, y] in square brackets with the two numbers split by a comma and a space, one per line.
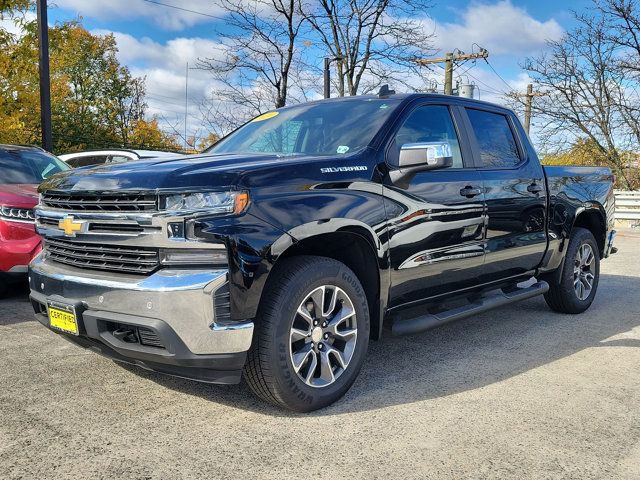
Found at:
[94, 256]
[97, 227]
[149, 338]
[17, 214]
[99, 202]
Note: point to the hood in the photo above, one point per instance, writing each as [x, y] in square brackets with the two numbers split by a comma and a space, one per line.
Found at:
[209, 171]
[18, 195]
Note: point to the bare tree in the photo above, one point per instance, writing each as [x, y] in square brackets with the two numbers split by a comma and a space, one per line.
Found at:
[623, 21]
[260, 41]
[584, 91]
[373, 40]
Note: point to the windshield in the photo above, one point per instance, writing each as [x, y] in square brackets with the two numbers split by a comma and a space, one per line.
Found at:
[323, 128]
[28, 166]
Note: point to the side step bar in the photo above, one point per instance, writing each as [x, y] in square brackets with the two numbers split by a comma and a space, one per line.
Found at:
[492, 300]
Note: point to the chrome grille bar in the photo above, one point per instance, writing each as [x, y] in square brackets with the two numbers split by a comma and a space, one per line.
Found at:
[101, 203]
[98, 257]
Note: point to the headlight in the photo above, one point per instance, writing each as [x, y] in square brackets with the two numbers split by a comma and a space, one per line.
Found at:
[211, 202]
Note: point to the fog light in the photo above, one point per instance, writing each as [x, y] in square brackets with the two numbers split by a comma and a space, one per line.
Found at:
[216, 257]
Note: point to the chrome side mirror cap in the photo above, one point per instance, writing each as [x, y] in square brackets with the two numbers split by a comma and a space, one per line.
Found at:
[427, 155]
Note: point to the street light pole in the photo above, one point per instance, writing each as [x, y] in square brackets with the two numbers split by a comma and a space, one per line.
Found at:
[327, 74]
[45, 82]
[327, 77]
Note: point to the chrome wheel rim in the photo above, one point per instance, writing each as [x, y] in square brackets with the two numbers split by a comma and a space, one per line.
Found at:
[584, 271]
[323, 336]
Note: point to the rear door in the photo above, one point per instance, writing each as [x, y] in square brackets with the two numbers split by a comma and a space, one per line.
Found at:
[436, 217]
[514, 192]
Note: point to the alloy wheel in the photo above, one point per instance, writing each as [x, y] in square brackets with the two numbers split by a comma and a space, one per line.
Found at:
[583, 271]
[323, 336]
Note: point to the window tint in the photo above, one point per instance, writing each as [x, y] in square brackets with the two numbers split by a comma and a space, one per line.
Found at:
[495, 139]
[28, 166]
[429, 123]
[86, 161]
[325, 128]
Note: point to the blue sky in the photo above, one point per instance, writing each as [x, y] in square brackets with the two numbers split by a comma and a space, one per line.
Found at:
[156, 41]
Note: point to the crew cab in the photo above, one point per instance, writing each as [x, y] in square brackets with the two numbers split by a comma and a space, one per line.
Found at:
[22, 168]
[280, 252]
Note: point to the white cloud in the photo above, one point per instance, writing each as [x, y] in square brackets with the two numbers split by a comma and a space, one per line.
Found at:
[13, 25]
[164, 67]
[500, 27]
[165, 17]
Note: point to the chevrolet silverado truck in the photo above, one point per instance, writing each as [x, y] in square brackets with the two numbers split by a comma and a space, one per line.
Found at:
[279, 253]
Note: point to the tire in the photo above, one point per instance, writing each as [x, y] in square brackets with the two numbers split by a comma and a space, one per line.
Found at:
[564, 294]
[285, 333]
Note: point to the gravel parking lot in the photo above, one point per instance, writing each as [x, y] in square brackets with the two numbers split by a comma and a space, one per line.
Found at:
[519, 392]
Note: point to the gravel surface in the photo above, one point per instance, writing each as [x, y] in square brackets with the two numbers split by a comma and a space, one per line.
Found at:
[519, 392]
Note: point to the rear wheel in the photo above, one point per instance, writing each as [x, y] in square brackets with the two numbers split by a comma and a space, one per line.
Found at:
[573, 291]
[311, 336]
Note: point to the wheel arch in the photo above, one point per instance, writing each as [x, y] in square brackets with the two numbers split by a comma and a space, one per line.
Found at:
[352, 244]
[593, 219]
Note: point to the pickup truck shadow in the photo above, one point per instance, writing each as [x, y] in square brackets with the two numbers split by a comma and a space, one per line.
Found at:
[466, 355]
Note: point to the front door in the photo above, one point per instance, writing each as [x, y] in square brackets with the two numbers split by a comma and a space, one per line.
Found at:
[435, 217]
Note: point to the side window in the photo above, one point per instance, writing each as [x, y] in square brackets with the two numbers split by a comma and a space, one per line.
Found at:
[496, 141]
[429, 123]
[117, 159]
[86, 161]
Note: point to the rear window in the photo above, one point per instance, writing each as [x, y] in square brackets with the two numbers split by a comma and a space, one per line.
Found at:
[498, 148]
[28, 166]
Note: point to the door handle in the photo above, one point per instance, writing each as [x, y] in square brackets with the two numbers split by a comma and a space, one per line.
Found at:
[534, 188]
[470, 191]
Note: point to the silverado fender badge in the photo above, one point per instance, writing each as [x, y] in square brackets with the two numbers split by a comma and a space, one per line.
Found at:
[355, 168]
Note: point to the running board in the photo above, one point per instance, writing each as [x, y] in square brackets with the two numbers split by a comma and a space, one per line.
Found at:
[492, 300]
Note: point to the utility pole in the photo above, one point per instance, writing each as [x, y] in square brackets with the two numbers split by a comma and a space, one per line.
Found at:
[45, 81]
[186, 106]
[528, 105]
[449, 61]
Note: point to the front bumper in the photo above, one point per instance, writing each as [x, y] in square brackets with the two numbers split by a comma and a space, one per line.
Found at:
[609, 247]
[170, 313]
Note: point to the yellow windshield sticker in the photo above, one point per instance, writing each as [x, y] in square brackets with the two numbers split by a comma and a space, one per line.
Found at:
[265, 116]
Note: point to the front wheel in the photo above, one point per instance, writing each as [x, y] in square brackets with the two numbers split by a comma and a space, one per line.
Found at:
[573, 291]
[312, 334]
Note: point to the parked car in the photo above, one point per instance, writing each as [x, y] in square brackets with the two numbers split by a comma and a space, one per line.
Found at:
[100, 157]
[280, 252]
[21, 170]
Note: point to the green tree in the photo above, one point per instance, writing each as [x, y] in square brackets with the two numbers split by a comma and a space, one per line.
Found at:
[96, 102]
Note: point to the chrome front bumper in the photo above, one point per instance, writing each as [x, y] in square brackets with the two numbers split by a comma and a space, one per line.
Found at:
[181, 299]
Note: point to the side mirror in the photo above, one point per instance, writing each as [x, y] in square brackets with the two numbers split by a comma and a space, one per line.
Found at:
[427, 155]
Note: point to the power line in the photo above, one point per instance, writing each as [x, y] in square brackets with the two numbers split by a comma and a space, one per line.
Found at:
[498, 75]
[183, 9]
[487, 86]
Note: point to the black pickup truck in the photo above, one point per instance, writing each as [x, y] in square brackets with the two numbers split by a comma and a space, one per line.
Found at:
[284, 249]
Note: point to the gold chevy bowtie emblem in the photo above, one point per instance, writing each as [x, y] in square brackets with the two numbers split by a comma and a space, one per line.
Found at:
[69, 227]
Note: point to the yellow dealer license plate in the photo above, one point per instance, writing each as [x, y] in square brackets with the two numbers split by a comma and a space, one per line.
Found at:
[63, 317]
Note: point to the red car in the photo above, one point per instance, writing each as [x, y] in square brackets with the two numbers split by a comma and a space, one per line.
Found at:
[21, 171]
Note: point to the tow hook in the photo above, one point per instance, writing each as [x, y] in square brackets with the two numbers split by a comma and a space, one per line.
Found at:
[126, 335]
